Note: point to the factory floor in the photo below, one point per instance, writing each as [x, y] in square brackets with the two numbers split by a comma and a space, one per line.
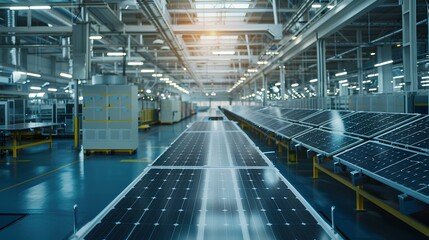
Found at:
[39, 189]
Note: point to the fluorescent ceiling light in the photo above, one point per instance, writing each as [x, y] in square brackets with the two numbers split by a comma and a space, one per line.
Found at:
[243, 78]
[278, 84]
[52, 89]
[372, 54]
[252, 70]
[343, 81]
[397, 77]
[383, 63]
[294, 85]
[66, 75]
[316, 5]
[40, 7]
[19, 8]
[272, 53]
[135, 63]
[148, 91]
[425, 81]
[40, 94]
[116, 54]
[294, 38]
[397, 87]
[165, 47]
[313, 80]
[147, 70]
[95, 37]
[340, 74]
[224, 52]
[32, 95]
[372, 89]
[330, 6]
[157, 75]
[35, 88]
[372, 75]
[34, 74]
[425, 77]
[262, 62]
[164, 79]
[425, 85]
[345, 84]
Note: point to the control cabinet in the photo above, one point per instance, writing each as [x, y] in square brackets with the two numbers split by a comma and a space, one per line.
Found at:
[110, 117]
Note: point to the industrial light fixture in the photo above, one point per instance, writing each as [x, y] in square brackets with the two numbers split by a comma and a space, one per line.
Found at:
[116, 54]
[316, 5]
[262, 62]
[157, 75]
[164, 79]
[32, 95]
[372, 53]
[278, 84]
[66, 75]
[40, 94]
[138, 63]
[398, 77]
[40, 7]
[148, 91]
[425, 81]
[147, 70]
[19, 8]
[343, 81]
[165, 47]
[252, 70]
[45, 84]
[52, 89]
[372, 75]
[35, 88]
[158, 41]
[223, 52]
[383, 63]
[294, 37]
[33, 74]
[95, 37]
[330, 6]
[294, 85]
[425, 77]
[340, 74]
[243, 78]
[313, 80]
[345, 84]
[372, 89]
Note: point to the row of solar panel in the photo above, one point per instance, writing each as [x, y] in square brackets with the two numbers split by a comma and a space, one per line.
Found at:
[396, 166]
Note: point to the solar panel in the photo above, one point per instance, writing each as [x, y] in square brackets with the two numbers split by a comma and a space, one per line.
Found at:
[292, 130]
[176, 204]
[321, 118]
[368, 124]
[276, 124]
[298, 114]
[326, 143]
[207, 126]
[211, 149]
[412, 135]
[402, 169]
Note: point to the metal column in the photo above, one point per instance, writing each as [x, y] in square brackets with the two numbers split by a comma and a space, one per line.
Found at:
[321, 68]
[359, 62]
[282, 82]
[409, 45]
[384, 53]
[264, 92]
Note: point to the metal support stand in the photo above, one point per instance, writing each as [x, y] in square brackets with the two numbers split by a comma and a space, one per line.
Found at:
[315, 170]
[359, 199]
[75, 209]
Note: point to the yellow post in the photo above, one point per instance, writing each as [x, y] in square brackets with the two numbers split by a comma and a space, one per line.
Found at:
[50, 138]
[269, 139]
[291, 154]
[315, 169]
[359, 199]
[279, 146]
[76, 131]
[14, 149]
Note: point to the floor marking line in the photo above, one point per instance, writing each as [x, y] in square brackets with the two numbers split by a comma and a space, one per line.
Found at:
[36, 177]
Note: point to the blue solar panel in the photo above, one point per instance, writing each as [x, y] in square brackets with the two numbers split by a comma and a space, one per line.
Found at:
[412, 135]
[368, 124]
[326, 143]
[292, 130]
[321, 118]
[298, 114]
[403, 169]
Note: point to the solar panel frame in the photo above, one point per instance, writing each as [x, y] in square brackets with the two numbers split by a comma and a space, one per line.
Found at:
[338, 158]
[273, 125]
[319, 114]
[393, 134]
[353, 123]
[303, 142]
[297, 114]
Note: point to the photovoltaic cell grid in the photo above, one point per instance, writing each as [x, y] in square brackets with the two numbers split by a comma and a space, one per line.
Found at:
[368, 124]
[210, 149]
[298, 114]
[326, 143]
[276, 124]
[292, 130]
[324, 117]
[213, 126]
[274, 111]
[413, 135]
[175, 204]
[402, 169]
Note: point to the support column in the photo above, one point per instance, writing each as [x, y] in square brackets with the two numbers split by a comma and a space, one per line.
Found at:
[282, 82]
[81, 65]
[359, 62]
[264, 93]
[321, 68]
[276, 19]
[409, 44]
[384, 53]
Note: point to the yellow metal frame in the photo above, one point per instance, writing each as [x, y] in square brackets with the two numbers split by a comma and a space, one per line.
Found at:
[109, 151]
[16, 136]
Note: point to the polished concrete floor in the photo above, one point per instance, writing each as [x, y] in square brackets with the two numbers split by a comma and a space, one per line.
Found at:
[39, 189]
